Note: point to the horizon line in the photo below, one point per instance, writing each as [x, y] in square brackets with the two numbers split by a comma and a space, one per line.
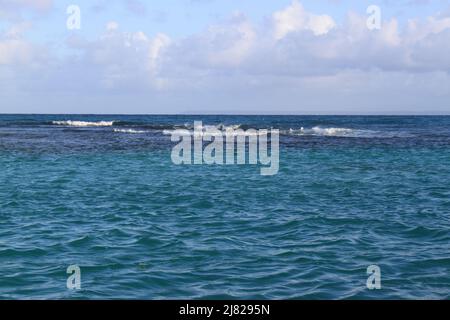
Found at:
[231, 114]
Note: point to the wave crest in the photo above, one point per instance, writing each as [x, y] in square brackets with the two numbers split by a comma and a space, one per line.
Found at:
[331, 132]
[130, 131]
[71, 123]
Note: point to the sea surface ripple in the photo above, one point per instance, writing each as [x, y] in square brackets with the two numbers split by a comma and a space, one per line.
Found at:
[351, 192]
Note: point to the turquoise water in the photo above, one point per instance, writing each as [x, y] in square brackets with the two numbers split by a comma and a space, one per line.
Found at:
[351, 192]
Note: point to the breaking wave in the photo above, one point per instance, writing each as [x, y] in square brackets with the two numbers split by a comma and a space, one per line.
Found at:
[132, 131]
[71, 123]
[226, 130]
[333, 132]
[132, 127]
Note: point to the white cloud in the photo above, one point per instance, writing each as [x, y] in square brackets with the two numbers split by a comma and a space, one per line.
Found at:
[418, 30]
[290, 62]
[119, 59]
[230, 43]
[15, 50]
[296, 18]
[304, 46]
[156, 48]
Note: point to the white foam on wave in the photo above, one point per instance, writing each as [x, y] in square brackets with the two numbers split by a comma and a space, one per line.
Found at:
[221, 127]
[333, 132]
[202, 134]
[71, 123]
[131, 131]
[232, 130]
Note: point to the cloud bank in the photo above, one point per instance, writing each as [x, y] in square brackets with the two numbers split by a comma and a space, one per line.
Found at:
[295, 61]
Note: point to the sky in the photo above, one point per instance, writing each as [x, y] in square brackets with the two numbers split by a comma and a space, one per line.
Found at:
[225, 57]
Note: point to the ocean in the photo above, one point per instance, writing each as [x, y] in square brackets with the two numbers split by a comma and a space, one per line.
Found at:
[102, 193]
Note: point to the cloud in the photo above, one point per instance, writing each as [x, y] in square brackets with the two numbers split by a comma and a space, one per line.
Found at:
[304, 49]
[287, 62]
[15, 50]
[223, 45]
[296, 18]
[295, 43]
[116, 60]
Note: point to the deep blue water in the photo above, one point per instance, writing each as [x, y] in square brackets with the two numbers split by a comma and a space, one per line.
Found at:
[352, 191]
